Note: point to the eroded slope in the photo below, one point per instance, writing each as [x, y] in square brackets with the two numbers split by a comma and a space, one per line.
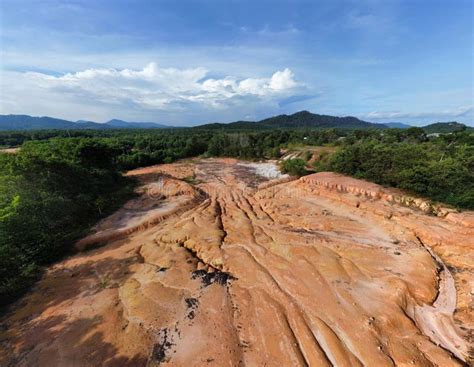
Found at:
[235, 270]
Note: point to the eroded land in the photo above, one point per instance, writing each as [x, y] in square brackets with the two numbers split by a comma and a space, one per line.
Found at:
[214, 264]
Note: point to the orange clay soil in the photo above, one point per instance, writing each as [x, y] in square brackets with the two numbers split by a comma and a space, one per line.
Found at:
[233, 270]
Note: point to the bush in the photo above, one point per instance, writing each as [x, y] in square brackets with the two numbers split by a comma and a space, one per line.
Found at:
[308, 155]
[294, 167]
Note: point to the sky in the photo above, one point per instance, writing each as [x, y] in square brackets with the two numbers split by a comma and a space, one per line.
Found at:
[183, 62]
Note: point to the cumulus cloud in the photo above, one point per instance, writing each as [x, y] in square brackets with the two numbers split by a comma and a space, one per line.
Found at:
[166, 88]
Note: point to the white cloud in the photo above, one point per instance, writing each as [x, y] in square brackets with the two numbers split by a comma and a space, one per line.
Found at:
[282, 80]
[164, 88]
[451, 113]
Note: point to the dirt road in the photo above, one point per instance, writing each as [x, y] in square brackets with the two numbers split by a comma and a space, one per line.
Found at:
[216, 265]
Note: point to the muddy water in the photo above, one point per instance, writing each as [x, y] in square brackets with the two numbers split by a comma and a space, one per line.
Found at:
[236, 270]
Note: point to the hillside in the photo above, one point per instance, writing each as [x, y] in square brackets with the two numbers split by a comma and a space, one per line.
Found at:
[308, 119]
[302, 119]
[444, 127]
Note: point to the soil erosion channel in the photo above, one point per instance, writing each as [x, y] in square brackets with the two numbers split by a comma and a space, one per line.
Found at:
[216, 264]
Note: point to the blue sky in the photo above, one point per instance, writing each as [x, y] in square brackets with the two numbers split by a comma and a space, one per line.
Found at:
[190, 62]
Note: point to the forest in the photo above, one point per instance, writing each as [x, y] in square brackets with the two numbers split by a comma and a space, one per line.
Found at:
[62, 182]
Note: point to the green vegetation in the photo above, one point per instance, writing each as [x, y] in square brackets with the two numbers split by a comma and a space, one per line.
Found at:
[444, 127]
[50, 193]
[441, 169]
[294, 167]
[62, 182]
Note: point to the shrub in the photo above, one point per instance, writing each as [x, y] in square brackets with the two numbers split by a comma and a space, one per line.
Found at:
[294, 167]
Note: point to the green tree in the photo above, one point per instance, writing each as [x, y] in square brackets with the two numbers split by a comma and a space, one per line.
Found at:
[294, 167]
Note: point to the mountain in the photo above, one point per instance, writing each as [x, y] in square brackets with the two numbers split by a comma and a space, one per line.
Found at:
[85, 122]
[120, 124]
[26, 122]
[308, 119]
[444, 127]
[397, 125]
[236, 125]
[303, 119]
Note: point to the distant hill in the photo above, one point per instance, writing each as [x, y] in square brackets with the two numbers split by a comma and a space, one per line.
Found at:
[308, 119]
[120, 124]
[397, 125]
[237, 125]
[85, 122]
[445, 127]
[26, 122]
[303, 119]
